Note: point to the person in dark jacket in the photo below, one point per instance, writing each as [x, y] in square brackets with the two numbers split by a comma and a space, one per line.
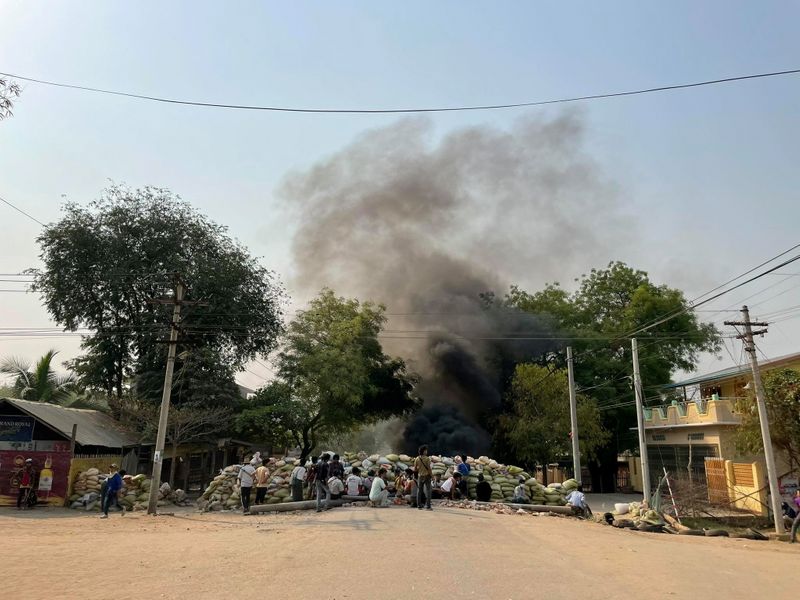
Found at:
[323, 473]
[113, 486]
[26, 491]
[483, 490]
[335, 468]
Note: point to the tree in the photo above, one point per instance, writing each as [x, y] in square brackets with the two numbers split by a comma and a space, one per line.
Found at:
[188, 423]
[9, 93]
[38, 382]
[609, 304]
[782, 397]
[537, 426]
[104, 264]
[333, 374]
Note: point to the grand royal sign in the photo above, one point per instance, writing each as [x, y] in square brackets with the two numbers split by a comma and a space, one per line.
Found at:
[16, 428]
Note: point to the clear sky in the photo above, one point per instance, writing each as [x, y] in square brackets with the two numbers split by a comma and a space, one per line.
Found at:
[709, 174]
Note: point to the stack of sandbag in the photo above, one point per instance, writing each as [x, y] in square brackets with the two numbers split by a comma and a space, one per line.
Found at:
[135, 493]
[223, 492]
[219, 495]
[88, 481]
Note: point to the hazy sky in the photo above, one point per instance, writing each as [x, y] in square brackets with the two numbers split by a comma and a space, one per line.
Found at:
[708, 176]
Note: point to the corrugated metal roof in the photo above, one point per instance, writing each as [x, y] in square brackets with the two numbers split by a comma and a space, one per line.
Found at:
[735, 370]
[94, 427]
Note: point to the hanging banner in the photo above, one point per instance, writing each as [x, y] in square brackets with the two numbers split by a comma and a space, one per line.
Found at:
[16, 428]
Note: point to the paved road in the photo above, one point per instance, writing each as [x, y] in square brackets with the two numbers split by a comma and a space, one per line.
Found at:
[374, 554]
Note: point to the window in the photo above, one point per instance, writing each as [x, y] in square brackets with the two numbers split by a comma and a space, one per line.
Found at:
[659, 437]
[697, 436]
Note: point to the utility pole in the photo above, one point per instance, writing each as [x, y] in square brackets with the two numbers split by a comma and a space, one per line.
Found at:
[152, 505]
[772, 473]
[637, 385]
[573, 417]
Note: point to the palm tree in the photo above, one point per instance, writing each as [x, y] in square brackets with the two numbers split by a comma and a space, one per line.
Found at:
[39, 383]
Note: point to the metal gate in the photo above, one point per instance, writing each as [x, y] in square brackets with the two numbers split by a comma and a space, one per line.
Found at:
[716, 480]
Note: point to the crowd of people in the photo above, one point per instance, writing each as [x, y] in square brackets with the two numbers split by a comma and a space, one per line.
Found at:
[325, 478]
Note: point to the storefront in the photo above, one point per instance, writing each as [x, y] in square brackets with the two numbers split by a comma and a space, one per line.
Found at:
[50, 436]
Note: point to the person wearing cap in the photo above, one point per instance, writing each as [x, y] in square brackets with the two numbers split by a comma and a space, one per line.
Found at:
[25, 485]
[113, 486]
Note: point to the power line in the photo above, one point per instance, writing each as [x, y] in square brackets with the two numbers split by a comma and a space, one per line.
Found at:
[19, 210]
[663, 88]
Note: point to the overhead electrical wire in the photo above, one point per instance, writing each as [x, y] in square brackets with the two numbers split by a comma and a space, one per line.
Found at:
[662, 88]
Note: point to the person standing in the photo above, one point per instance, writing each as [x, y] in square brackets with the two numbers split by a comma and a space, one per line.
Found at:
[262, 483]
[25, 485]
[335, 468]
[245, 477]
[796, 522]
[379, 494]
[311, 477]
[113, 486]
[296, 482]
[422, 466]
[322, 474]
[464, 469]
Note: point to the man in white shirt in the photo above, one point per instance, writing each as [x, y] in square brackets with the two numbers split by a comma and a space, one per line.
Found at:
[336, 487]
[577, 500]
[296, 482]
[379, 494]
[354, 482]
[450, 487]
[245, 477]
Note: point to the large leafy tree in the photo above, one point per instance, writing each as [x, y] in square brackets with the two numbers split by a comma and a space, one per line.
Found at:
[105, 263]
[782, 397]
[608, 305]
[537, 425]
[333, 375]
[38, 381]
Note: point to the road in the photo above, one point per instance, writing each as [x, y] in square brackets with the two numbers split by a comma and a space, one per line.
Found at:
[362, 553]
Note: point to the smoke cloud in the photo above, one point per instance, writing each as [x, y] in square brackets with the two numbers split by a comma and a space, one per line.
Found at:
[427, 225]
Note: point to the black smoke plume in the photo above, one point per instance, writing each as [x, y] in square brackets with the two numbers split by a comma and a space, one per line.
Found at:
[427, 226]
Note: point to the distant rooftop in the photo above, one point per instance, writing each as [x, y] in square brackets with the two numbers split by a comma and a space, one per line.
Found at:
[94, 428]
[735, 370]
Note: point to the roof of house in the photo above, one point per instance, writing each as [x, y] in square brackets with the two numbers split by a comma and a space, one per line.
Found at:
[94, 428]
[735, 370]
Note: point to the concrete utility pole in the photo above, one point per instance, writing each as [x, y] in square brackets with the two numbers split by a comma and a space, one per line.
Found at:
[573, 416]
[158, 454]
[772, 473]
[637, 385]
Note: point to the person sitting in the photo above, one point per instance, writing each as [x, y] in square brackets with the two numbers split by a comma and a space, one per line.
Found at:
[399, 483]
[378, 494]
[436, 487]
[336, 487]
[368, 481]
[450, 487]
[520, 493]
[410, 491]
[355, 483]
[483, 490]
[577, 500]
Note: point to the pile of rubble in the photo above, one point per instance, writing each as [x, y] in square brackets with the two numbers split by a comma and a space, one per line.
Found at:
[223, 492]
[134, 495]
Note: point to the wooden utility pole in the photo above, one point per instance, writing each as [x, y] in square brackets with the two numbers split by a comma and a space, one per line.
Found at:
[573, 417]
[637, 385]
[772, 473]
[158, 454]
